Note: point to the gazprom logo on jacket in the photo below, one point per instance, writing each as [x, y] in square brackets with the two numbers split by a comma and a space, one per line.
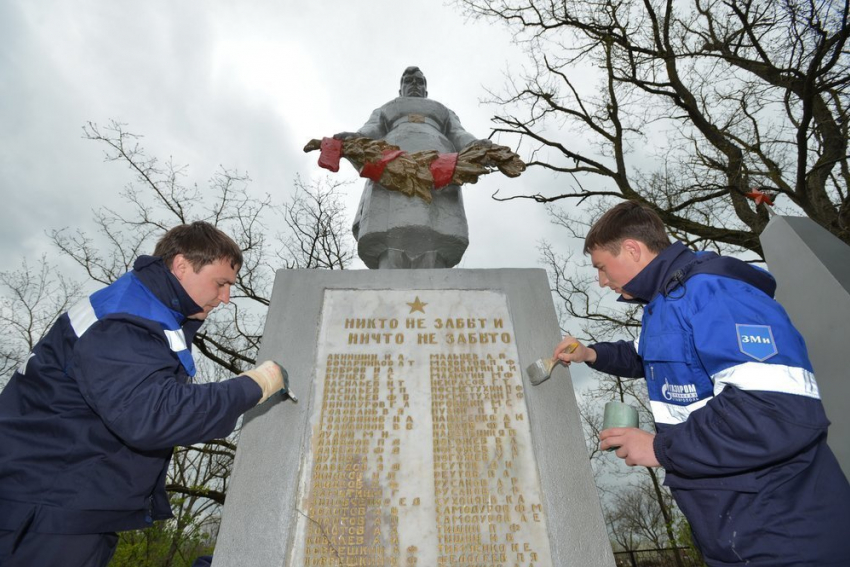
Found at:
[679, 393]
[756, 341]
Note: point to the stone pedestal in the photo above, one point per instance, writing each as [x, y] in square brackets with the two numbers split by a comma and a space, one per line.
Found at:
[417, 440]
[812, 271]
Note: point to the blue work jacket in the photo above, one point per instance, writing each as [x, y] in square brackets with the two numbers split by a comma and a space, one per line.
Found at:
[741, 430]
[89, 421]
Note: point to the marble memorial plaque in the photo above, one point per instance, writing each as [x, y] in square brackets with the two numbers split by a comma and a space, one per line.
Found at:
[420, 450]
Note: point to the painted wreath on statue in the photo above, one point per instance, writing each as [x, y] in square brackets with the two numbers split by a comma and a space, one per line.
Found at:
[416, 173]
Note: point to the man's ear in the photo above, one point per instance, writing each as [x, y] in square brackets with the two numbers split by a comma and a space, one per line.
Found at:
[179, 265]
[633, 248]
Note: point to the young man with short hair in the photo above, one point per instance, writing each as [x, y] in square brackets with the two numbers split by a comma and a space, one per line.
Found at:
[89, 421]
[740, 427]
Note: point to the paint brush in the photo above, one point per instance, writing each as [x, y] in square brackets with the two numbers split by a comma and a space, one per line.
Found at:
[286, 391]
[541, 370]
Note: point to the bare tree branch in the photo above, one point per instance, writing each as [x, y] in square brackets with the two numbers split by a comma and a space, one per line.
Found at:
[713, 98]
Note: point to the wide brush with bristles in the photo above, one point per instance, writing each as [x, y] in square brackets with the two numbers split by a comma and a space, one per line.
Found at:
[541, 370]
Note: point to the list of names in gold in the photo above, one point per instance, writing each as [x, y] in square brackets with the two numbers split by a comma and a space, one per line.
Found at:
[421, 451]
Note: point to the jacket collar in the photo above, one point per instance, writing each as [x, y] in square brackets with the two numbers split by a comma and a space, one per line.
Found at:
[676, 263]
[653, 279]
[152, 272]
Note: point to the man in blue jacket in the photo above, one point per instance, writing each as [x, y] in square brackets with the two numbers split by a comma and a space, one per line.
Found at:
[89, 421]
[740, 428]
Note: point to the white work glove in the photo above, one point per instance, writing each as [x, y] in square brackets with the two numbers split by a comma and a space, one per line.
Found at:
[269, 376]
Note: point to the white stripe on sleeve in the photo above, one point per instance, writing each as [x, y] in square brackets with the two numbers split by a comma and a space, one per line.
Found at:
[22, 369]
[82, 317]
[176, 340]
[762, 377]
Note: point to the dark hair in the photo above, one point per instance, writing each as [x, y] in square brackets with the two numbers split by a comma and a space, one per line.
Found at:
[201, 243]
[410, 71]
[629, 219]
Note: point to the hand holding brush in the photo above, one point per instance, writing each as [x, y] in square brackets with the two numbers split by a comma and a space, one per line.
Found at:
[541, 370]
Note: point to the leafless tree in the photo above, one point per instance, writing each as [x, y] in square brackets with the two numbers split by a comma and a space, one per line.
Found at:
[686, 106]
[33, 298]
[319, 236]
[637, 519]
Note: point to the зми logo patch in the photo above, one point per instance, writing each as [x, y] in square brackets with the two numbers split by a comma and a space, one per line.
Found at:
[756, 341]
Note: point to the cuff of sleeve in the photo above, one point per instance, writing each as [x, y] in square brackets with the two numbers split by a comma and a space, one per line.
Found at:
[250, 390]
[601, 356]
[659, 445]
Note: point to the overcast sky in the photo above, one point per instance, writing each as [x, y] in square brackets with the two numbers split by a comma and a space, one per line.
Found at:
[244, 85]
[239, 84]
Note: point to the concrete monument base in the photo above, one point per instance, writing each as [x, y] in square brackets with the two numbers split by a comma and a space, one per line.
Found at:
[417, 440]
[812, 271]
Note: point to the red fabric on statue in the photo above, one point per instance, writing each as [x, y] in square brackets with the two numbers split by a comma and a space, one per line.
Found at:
[374, 171]
[442, 169]
[331, 151]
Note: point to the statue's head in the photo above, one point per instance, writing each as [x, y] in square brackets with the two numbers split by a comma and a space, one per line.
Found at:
[413, 83]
